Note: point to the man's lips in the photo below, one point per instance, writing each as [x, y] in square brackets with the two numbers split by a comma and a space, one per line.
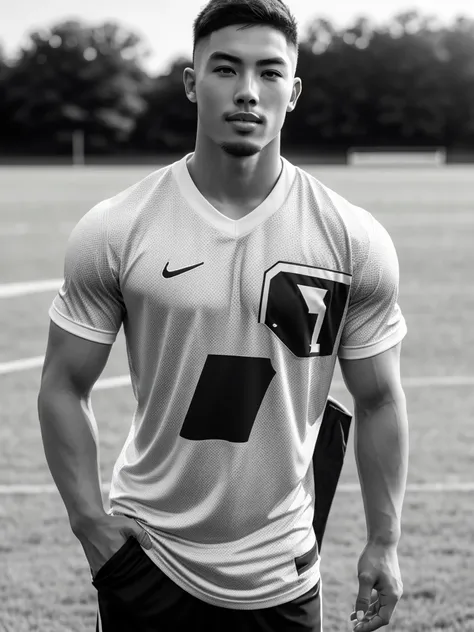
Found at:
[247, 117]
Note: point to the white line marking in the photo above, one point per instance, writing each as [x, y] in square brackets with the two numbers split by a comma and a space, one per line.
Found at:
[21, 365]
[8, 290]
[428, 380]
[438, 380]
[419, 487]
[112, 382]
[19, 229]
[37, 362]
[13, 230]
[23, 490]
[124, 380]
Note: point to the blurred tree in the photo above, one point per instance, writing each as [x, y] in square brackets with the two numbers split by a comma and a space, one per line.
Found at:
[169, 121]
[73, 77]
[456, 48]
[335, 104]
[409, 82]
[406, 83]
[4, 127]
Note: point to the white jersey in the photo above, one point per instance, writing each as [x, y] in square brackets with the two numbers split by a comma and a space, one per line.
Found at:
[233, 328]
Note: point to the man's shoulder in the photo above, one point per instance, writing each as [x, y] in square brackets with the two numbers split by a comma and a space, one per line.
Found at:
[137, 194]
[333, 205]
[124, 214]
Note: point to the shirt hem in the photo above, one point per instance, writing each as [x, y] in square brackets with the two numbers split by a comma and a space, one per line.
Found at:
[281, 598]
[80, 330]
[368, 351]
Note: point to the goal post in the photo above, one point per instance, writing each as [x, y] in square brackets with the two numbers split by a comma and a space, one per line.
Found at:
[78, 156]
[396, 157]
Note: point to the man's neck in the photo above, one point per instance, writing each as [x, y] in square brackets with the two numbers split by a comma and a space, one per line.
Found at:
[235, 182]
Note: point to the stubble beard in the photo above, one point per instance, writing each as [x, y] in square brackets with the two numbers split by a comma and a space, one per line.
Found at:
[240, 149]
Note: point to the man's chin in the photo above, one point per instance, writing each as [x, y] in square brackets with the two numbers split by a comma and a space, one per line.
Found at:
[241, 148]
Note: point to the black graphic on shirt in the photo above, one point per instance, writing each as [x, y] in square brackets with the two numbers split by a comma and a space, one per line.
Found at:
[304, 307]
[227, 398]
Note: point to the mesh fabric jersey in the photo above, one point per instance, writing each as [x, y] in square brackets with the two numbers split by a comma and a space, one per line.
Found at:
[233, 328]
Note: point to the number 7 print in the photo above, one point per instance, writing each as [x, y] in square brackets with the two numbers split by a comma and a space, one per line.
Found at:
[314, 297]
[304, 307]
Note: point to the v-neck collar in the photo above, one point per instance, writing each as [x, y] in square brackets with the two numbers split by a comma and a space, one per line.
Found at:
[233, 227]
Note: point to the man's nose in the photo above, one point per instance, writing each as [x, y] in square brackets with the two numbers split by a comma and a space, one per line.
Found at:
[246, 92]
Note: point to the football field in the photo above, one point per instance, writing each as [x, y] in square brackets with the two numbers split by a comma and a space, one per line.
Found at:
[429, 212]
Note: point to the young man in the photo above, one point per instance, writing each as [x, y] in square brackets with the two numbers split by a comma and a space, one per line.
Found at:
[239, 280]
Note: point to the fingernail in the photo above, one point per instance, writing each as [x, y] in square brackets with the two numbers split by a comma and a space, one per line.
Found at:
[360, 615]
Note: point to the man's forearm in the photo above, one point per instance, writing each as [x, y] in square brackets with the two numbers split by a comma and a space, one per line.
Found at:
[70, 443]
[381, 447]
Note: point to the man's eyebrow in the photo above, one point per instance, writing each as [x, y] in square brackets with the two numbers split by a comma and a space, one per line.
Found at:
[220, 55]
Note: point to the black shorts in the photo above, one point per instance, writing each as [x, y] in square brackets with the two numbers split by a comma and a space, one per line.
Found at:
[134, 595]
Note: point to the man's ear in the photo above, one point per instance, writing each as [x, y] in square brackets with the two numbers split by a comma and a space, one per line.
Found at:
[295, 94]
[189, 80]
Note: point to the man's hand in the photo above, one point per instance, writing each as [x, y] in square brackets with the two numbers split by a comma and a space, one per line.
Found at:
[377, 570]
[102, 537]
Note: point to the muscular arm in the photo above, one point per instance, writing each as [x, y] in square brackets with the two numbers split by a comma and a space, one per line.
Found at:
[68, 427]
[381, 440]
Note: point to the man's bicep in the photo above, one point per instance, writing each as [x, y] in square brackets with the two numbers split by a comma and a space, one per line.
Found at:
[72, 362]
[375, 380]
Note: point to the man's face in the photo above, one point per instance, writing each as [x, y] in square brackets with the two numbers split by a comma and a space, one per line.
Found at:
[249, 70]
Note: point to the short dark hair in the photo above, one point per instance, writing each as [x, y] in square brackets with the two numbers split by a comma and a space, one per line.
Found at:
[217, 14]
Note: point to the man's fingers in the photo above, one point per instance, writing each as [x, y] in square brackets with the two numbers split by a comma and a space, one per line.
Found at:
[141, 535]
[143, 539]
[375, 623]
[377, 620]
[373, 608]
[366, 584]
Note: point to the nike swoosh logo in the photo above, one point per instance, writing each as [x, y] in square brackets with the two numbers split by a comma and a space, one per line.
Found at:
[171, 273]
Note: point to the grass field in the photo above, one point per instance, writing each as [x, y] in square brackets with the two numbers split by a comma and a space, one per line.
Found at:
[45, 580]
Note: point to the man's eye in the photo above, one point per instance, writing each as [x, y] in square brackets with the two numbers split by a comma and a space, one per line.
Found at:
[272, 72]
[227, 70]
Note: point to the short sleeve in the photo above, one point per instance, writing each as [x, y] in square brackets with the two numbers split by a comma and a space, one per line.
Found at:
[374, 321]
[89, 303]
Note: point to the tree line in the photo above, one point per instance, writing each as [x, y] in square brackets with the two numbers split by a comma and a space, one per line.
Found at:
[408, 82]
